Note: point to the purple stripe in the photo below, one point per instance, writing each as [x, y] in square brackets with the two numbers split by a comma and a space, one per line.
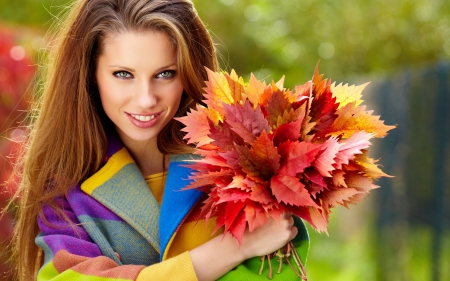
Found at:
[72, 244]
[83, 204]
[57, 224]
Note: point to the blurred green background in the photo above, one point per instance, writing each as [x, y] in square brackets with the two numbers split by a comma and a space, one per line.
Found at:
[402, 230]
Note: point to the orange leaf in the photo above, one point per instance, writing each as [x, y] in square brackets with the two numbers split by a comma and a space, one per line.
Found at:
[254, 90]
[197, 126]
[351, 119]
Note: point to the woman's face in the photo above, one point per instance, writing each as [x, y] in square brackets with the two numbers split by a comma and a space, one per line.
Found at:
[140, 88]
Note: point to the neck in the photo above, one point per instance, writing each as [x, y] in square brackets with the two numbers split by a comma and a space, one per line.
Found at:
[148, 157]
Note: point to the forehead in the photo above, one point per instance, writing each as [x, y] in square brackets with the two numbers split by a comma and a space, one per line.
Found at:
[138, 46]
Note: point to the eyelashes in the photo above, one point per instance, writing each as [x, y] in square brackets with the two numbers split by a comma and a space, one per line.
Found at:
[122, 74]
[166, 74]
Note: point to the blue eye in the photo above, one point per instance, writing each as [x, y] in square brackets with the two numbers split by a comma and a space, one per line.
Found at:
[122, 74]
[166, 74]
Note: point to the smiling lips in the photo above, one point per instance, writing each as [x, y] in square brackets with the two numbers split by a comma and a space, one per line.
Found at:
[144, 121]
[143, 118]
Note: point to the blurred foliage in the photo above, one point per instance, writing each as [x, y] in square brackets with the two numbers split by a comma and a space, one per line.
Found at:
[288, 37]
[16, 72]
[352, 39]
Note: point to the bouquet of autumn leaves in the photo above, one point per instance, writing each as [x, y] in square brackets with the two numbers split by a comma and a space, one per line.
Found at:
[267, 150]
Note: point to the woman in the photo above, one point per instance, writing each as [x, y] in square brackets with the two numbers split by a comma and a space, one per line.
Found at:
[104, 142]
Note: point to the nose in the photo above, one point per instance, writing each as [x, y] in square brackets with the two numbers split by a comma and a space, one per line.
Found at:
[145, 95]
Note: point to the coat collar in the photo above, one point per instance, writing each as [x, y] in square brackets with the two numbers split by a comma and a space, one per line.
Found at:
[120, 186]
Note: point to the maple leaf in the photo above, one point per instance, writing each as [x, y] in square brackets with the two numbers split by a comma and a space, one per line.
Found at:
[245, 162]
[236, 85]
[203, 179]
[232, 216]
[217, 92]
[239, 182]
[338, 196]
[302, 92]
[232, 158]
[295, 114]
[314, 181]
[264, 155]
[352, 146]
[359, 182]
[345, 94]
[246, 121]
[368, 166]
[261, 193]
[326, 159]
[213, 160]
[232, 195]
[320, 86]
[312, 215]
[296, 156]
[339, 178]
[351, 119]
[289, 131]
[323, 111]
[255, 215]
[196, 126]
[224, 137]
[276, 106]
[290, 190]
[254, 90]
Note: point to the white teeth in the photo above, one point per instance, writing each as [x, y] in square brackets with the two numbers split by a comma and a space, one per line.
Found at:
[143, 118]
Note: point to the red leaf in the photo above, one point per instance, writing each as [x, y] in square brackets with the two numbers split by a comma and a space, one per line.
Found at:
[255, 215]
[296, 156]
[290, 190]
[235, 219]
[224, 138]
[248, 167]
[246, 121]
[261, 193]
[325, 160]
[264, 155]
[289, 131]
[232, 195]
[202, 179]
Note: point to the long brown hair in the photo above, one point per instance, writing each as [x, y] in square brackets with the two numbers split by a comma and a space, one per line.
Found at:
[67, 140]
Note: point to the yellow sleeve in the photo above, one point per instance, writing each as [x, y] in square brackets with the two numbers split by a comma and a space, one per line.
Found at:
[173, 269]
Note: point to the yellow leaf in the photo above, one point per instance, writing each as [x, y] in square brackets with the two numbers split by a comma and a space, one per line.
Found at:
[217, 90]
[254, 90]
[346, 94]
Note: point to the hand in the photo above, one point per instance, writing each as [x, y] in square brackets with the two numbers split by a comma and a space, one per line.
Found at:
[222, 253]
[269, 237]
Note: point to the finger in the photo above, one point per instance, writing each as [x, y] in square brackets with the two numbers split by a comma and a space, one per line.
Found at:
[294, 232]
[291, 221]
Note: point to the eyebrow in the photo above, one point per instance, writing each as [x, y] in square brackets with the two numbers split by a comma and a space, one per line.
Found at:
[133, 70]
